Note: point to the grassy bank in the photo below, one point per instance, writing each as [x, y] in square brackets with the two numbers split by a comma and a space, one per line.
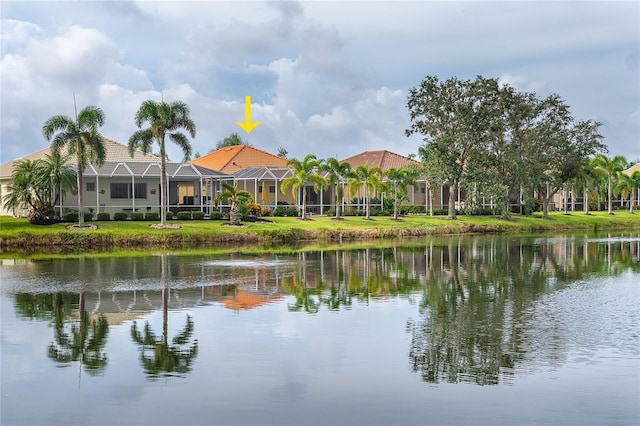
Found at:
[19, 234]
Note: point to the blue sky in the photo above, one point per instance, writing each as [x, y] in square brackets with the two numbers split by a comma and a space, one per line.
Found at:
[329, 78]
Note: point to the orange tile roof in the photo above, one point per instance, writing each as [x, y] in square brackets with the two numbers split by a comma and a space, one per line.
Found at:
[381, 158]
[233, 158]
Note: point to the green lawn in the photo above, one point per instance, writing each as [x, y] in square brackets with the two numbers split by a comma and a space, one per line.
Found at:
[286, 230]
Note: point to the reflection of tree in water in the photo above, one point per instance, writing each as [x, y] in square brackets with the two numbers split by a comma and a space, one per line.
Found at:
[81, 341]
[476, 323]
[157, 356]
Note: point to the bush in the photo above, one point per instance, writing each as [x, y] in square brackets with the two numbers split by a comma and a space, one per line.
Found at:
[254, 209]
[216, 215]
[70, 217]
[531, 206]
[184, 215]
[137, 216]
[120, 216]
[104, 216]
[197, 215]
[152, 216]
[286, 211]
[88, 216]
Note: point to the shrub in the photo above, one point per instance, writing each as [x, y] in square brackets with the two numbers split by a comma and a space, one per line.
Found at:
[286, 211]
[137, 216]
[216, 215]
[120, 216]
[104, 216]
[152, 216]
[531, 205]
[184, 215]
[70, 217]
[88, 216]
[254, 209]
[197, 215]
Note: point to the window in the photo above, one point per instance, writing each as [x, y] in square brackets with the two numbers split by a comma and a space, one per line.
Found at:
[272, 189]
[91, 187]
[125, 190]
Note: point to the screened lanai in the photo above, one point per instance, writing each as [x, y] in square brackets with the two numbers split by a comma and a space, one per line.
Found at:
[264, 184]
[135, 187]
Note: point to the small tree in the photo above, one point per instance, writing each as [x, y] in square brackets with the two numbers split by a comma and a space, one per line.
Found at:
[304, 172]
[627, 186]
[611, 168]
[235, 197]
[338, 173]
[369, 178]
[398, 181]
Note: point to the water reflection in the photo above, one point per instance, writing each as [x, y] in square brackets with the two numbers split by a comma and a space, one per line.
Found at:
[157, 356]
[484, 312]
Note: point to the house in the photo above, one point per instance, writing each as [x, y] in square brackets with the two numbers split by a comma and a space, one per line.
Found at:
[129, 183]
[386, 160]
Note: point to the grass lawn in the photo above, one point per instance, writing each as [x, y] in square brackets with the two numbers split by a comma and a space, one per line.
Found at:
[18, 233]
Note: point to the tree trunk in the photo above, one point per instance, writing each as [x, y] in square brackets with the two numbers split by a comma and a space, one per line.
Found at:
[586, 201]
[234, 214]
[453, 192]
[368, 203]
[80, 212]
[304, 203]
[609, 201]
[163, 190]
[337, 202]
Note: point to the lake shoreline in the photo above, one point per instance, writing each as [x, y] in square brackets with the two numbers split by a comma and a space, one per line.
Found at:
[19, 234]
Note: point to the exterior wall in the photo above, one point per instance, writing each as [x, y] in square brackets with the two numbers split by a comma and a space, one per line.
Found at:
[269, 197]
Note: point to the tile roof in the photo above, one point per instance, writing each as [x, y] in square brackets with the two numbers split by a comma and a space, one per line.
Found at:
[115, 152]
[381, 158]
[630, 170]
[233, 158]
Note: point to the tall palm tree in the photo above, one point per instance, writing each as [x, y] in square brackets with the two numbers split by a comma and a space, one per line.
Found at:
[628, 185]
[163, 119]
[84, 341]
[368, 177]
[338, 173]
[611, 168]
[236, 197]
[81, 138]
[158, 356]
[304, 172]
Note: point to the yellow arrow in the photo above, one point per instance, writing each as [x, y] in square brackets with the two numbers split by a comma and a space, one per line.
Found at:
[247, 126]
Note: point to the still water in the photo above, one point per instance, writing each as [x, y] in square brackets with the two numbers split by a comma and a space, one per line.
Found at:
[464, 330]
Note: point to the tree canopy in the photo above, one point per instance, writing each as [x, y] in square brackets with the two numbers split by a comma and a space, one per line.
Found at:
[493, 140]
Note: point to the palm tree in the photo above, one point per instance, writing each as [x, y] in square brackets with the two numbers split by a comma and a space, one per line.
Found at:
[303, 173]
[370, 179]
[611, 168]
[57, 176]
[164, 119]
[628, 185]
[236, 197]
[84, 342]
[399, 179]
[82, 139]
[157, 355]
[337, 174]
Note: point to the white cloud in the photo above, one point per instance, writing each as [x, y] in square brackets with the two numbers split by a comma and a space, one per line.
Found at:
[328, 78]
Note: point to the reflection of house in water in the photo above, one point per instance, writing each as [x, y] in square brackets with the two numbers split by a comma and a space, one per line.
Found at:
[124, 306]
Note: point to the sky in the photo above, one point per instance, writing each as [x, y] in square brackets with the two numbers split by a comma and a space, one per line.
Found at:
[326, 78]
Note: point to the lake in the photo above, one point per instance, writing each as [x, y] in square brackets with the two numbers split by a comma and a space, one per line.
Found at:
[479, 330]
